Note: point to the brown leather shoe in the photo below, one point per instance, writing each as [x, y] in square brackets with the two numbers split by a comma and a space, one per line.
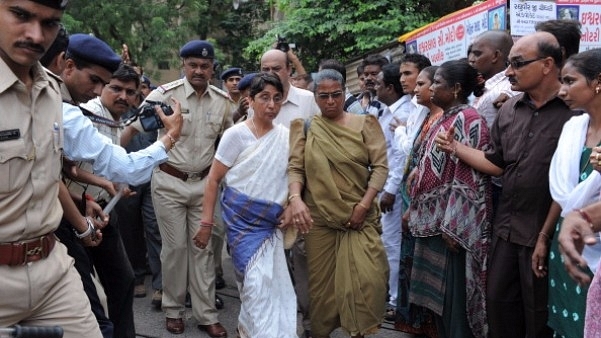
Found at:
[214, 330]
[175, 325]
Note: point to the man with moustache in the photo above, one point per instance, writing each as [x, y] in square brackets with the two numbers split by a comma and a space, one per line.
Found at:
[39, 284]
[372, 66]
[178, 187]
[524, 137]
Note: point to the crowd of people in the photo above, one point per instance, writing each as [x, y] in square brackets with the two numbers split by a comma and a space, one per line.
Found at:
[459, 200]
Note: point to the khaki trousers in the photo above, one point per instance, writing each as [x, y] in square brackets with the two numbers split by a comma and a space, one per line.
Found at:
[185, 267]
[47, 292]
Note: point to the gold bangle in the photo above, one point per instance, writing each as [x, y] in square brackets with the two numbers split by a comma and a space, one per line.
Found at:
[363, 205]
[293, 196]
[172, 140]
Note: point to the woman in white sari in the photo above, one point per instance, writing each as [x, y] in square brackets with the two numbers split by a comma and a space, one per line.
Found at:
[252, 157]
[574, 184]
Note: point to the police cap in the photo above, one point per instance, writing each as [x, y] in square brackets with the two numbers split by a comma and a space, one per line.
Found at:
[197, 48]
[246, 81]
[92, 50]
[56, 4]
[144, 79]
[231, 72]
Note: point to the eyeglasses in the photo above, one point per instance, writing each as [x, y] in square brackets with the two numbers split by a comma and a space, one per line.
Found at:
[118, 90]
[277, 99]
[515, 64]
[334, 95]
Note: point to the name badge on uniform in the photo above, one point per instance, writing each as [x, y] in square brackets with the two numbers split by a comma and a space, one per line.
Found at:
[10, 134]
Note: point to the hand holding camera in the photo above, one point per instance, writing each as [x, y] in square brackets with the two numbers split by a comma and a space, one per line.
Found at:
[282, 44]
[173, 123]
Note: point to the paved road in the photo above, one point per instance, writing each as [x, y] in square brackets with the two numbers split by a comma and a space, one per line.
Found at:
[151, 323]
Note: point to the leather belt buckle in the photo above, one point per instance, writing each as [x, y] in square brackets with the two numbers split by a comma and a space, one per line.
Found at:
[37, 249]
[194, 176]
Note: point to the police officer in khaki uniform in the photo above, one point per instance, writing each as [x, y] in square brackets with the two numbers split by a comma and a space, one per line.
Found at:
[178, 187]
[39, 284]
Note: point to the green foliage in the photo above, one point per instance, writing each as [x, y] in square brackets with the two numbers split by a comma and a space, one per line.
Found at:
[154, 30]
[340, 29]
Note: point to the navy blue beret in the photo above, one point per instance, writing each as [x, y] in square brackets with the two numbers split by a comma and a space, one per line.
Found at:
[56, 4]
[197, 48]
[246, 81]
[90, 49]
[231, 72]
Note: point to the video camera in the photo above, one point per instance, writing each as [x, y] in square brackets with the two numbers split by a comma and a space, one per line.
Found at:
[149, 118]
[282, 44]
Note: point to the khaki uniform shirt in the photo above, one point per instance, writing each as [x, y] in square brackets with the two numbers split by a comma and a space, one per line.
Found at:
[30, 155]
[206, 116]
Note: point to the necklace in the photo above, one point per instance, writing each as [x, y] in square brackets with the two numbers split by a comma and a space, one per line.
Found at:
[257, 132]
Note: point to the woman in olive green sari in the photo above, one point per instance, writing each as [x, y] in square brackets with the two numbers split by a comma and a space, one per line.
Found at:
[337, 166]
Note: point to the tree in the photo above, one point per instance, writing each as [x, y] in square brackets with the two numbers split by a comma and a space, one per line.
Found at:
[155, 30]
[343, 29]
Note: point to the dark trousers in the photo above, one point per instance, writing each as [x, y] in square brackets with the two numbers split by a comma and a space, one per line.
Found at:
[117, 278]
[516, 299]
[140, 233]
[300, 276]
[83, 265]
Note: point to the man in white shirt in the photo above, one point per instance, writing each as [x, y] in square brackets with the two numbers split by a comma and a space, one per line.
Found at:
[298, 103]
[389, 92]
[488, 54]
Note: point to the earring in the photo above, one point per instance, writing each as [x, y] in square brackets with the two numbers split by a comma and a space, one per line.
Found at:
[455, 94]
[598, 89]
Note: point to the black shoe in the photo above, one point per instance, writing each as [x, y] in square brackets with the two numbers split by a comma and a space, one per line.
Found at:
[390, 315]
[218, 302]
[308, 334]
[188, 302]
[219, 283]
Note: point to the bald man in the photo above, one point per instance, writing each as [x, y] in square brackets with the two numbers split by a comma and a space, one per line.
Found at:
[488, 54]
[298, 103]
[524, 137]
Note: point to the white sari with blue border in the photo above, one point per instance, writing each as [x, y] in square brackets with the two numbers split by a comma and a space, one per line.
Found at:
[255, 190]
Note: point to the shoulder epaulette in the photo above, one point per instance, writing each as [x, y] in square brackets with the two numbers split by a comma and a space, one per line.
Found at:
[220, 92]
[168, 86]
[54, 76]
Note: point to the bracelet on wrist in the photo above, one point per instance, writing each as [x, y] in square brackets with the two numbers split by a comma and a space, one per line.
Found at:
[171, 140]
[542, 234]
[363, 206]
[586, 217]
[89, 231]
[206, 224]
[291, 197]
